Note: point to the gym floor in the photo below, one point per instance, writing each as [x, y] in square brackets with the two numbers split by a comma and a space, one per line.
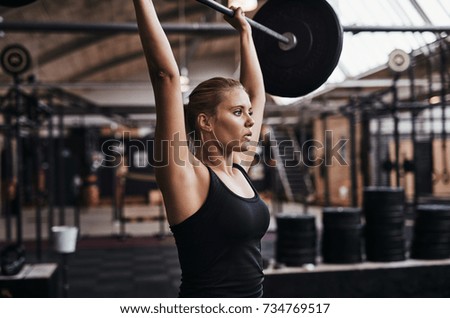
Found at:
[143, 263]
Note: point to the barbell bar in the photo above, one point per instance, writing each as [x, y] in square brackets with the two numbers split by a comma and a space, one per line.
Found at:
[184, 28]
[289, 41]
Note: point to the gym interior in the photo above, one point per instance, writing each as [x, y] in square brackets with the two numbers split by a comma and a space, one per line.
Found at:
[353, 160]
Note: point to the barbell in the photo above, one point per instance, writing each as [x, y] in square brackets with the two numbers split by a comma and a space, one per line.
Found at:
[299, 46]
[15, 3]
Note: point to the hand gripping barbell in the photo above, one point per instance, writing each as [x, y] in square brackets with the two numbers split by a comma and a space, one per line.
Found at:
[301, 54]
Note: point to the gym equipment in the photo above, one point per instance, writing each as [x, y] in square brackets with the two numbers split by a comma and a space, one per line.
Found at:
[431, 239]
[341, 235]
[445, 177]
[15, 59]
[384, 230]
[399, 61]
[12, 259]
[15, 3]
[301, 56]
[423, 166]
[296, 239]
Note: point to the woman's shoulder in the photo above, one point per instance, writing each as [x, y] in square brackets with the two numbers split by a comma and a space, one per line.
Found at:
[184, 190]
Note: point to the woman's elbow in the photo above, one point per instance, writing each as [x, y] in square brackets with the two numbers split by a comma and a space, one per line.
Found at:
[164, 74]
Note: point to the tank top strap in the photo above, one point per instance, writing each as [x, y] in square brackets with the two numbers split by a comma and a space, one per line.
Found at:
[242, 170]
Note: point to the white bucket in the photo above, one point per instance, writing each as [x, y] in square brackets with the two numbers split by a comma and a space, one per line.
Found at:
[64, 238]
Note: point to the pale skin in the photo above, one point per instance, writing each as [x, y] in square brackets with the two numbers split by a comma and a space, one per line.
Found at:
[228, 133]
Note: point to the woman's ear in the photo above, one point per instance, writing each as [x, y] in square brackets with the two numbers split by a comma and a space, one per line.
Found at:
[203, 122]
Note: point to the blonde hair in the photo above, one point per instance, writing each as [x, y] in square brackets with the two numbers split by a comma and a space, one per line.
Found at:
[205, 98]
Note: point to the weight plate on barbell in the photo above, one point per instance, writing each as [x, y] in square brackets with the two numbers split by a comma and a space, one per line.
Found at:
[15, 59]
[301, 70]
[15, 3]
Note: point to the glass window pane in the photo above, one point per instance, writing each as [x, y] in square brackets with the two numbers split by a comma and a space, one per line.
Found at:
[433, 9]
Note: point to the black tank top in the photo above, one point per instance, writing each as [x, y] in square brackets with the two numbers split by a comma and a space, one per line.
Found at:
[219, 246]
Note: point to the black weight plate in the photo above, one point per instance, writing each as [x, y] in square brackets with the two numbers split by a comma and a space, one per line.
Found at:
[382, 197]
[295, 250]
[430, 247]
[378, 233]
[294, 222]
[384, 214]
[431, 237]
[430, 226]
[296, 235]
[384, 227]
[341, 227]
[306, 67]
[398, 219]
[385, 250]
[386, 258]
[385, 245]
[385, 190]
[341, 216]
[423, 254]
[342, 259]
[15, 3]
[296, 244]
[428, 251]
[345, 250]
[292, 261]
[431, 217]
[437, 210]
[389, 248]
[342, 252]
[385, 239]
[384, 208]
[373, 250]
[15, 59]
[355, 230]
[340, 241]
[337, 240]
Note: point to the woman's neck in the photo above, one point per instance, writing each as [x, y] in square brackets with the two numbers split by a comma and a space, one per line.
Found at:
[213, 156]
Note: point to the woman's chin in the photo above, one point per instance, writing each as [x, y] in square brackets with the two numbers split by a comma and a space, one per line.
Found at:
[245, 146]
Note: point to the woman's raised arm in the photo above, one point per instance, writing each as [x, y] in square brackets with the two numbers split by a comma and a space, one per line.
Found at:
[251, 78]
[165, 78]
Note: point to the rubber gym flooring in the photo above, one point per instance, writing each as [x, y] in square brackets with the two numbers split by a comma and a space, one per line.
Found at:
[135, 267]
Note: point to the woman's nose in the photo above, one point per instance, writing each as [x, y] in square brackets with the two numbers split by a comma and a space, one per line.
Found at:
[249, 122]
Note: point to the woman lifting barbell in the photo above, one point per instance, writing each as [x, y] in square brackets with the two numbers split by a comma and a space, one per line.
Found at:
[214, 211]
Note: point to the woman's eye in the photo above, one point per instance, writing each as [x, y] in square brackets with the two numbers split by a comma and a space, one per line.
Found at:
[250, 113]
[238, 112]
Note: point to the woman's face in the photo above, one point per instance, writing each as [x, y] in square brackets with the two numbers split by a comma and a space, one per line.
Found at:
[232, 123]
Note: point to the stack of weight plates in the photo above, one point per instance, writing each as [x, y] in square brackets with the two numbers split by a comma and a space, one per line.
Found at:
[341, 235]
[384, 213]
[431, 238]
[296, 239]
